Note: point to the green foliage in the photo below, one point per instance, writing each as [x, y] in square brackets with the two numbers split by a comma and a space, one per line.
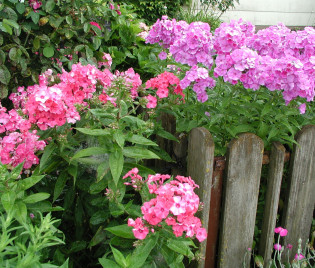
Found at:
[222, 5]
[25, 237]
[59, 34]
[152, 10]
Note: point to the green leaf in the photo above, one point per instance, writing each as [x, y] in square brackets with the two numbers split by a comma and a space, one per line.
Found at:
[94, 132]
[97, 187]
[6, 28]
[102, 170]
[5, 75]
[120, 138]
[78, 48]
[89, 152]
[20, 211]
[60, 184]
[20, 8]
[34, 17]
[106, 263]
[69, 20]
[116, 163]
[73, 171]
[7, 200]
[55, 22]
[99, 217]
[164, 134]
[139, 153]
[119, 257]
[16, 172]
[12, 23]
[124, 231]
[141, 140]
[259, 260]
[142, 252]
[86, 27]
[89, 52]
[99, 237]
[50, 5]
[48, 52]
[36, 198]
[47, 154]
[180, 247]
[29, 182]
[65, 264]
[96, 43]
[162, 154]
[273, 133]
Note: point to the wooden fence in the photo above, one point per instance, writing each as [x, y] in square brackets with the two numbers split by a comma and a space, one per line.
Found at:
[229, 188]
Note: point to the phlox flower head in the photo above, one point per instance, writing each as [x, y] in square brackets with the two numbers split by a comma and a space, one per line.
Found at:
[165, 31]
[151, 101]
[165, 82]
[231, 36]
[194, 45]
[16, 148]
[174, 205]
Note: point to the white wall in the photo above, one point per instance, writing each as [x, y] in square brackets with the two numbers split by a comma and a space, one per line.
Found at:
[270, 12]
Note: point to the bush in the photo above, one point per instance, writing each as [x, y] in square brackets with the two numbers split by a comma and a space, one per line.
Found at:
[58, 34]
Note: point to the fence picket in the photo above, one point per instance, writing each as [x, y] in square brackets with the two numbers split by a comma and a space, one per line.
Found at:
[276, 165]
[300, 198]
[200, 168]
[241, 189]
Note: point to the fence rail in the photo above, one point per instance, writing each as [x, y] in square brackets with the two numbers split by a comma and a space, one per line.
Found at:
[229, 189]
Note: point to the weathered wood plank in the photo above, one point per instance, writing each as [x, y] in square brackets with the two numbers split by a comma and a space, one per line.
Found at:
[214, 214]
[200, 169]
[241, 188]
[275, 173]
[300, 198]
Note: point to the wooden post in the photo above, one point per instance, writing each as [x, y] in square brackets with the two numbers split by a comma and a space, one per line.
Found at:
[241, 188]
[300, 198]
[276, 163]
[214, 214]
[200, 169]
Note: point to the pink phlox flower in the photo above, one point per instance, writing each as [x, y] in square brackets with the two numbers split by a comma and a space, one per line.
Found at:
[151, 217]
[179, 206]
[302, 108]
[201, 234]
[162, 55]
[152, 101]
[140, 231]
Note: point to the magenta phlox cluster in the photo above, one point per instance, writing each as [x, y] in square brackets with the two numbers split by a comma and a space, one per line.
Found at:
[199, 76]
[165, 31]
[18, 147]
[271, 41]
[231, 36]
[194, 45]
[174, 204]
[12, 121]
[80, 83]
